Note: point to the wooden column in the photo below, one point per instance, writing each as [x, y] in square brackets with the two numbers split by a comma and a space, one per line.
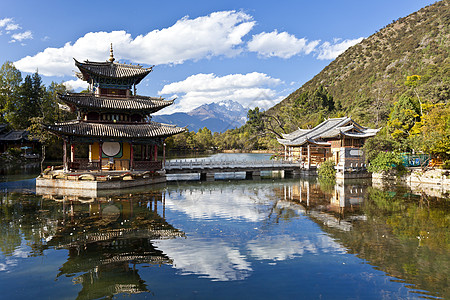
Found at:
[72, 152]
[300, 189]
[301, 154]
[156, 153]
[131, 157]
[164, 153]
[307, 192]
[65, 156]
[142, 152]
[146, 153]
[309, 157]
[100, 151]
[164, 205]
[285, 152]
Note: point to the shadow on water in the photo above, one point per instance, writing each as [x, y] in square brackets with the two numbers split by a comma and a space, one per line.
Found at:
[224, 230]
[15, 172]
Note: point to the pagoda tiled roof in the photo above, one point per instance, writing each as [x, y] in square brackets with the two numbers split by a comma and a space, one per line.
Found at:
[111, 70]
[114, 130]
[328, 129]
[133, 103]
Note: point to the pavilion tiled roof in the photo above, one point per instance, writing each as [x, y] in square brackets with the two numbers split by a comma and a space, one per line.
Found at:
[15, 136]
[112, 70]
[328, 129]
[114, 130]
[133, 103]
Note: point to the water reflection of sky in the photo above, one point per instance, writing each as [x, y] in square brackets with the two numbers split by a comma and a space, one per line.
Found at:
[226, 203]
[228, 254]
[215, 259]
[241, 239]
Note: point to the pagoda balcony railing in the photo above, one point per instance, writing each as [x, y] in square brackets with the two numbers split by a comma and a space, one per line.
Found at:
[112, 95]
[146, 165]
[117, 122]
[84, 164]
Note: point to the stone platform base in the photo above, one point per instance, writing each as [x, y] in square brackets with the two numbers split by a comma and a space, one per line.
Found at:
[97, 185]
[353, 175]
[432, 182]
[308, 172]
[98, 181]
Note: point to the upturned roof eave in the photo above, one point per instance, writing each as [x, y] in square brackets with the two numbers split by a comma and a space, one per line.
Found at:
[86, 72]
[302, 143]
[132, 104]
[119, 131]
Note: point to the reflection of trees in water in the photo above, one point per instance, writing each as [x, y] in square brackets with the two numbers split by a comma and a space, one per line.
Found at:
[22, 216]
[402, 234]
[407, 236]
[106, 237]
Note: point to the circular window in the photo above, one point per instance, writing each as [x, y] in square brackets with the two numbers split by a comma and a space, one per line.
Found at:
[110, 213]
[111, 148]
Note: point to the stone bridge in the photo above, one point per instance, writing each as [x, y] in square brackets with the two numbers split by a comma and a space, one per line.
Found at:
[252, 169]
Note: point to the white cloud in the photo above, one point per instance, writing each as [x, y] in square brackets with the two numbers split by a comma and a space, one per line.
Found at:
[331, 51]
[12, 26]
[283, 247]
[76, 84]
[215, 259]
[219, 33]
[239, 205]
[4, 22]
[250, 90]
[9, 25]
[22, 36]
[282, 44]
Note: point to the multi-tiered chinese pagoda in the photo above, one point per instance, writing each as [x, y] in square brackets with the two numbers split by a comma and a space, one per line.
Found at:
[113, 120]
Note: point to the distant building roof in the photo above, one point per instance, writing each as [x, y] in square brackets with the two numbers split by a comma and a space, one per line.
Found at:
[3, 128]
[15, 136]
[328, 129]
[109, 130]
[137, 103]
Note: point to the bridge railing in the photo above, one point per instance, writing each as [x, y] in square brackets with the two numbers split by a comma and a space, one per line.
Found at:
[209, 164]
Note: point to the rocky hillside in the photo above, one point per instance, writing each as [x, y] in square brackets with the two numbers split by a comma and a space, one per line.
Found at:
[368, 78]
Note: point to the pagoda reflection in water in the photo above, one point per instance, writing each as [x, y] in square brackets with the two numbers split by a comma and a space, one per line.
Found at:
[107, 237]
[233, 232]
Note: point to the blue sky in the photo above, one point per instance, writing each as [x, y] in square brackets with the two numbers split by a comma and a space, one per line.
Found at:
[253, 52]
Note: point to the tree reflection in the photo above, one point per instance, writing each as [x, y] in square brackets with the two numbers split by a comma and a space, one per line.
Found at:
[230, 226]
[106, 237]
[401, 233]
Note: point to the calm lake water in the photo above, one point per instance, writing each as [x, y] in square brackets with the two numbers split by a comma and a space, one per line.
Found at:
[228, 239]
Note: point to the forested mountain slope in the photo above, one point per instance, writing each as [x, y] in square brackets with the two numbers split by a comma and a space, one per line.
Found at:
[366, 80]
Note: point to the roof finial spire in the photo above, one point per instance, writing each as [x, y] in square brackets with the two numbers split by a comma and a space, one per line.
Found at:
[111, 54]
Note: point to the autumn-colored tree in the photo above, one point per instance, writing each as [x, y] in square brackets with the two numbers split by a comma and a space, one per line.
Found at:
[435, 131]
[404, 115]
